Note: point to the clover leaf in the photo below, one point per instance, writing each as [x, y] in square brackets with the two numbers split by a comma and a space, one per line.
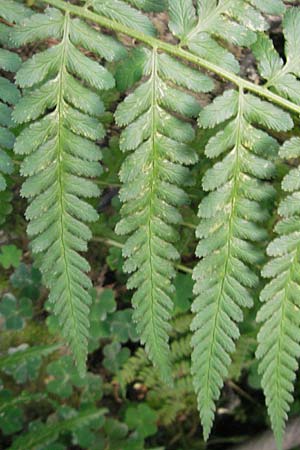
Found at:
[11, 416]
[27, 280]
[15, 311]
[92, 390]
[10, 256]
[115, 356]
[62, 377]
[25, 370]
[102, 308]
[123, 327]
[141, 418]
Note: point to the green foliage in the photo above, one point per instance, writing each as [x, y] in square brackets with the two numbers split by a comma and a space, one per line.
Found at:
[281, 76]
[130, 69]
[26, 370]
[55, 117]
[142, 418]
[10, 256]
[62, 377]
[184, 292]
[123, 13]
[45, 434]
[26, 280]
[16, 357]
[60, 157]
[168, 401]
[149, 5]
[231, 215]
[279, 337]
[172, 403]
[11, 416]
[153, 175]
[103, 306]
[11, 12]
[232, 21]
[14, 312]
[115, 356]
[65, 393]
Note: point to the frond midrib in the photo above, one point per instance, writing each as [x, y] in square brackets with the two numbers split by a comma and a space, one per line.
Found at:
[63, 213]
[152, 191]
[230, 236]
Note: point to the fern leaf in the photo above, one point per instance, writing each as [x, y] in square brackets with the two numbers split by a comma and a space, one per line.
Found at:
[234, 21]
[279, 337]
[10, 62]
[49, 432]
[231, 217]
[280, 76]
[101, 45]
[62, 114]
[153, 175]
[38, 27]
[123, 13]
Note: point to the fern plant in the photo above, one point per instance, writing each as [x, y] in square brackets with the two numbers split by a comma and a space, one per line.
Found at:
[231, 217]
[60, 157]
[60, 115]
[234, 21]
[171, 402]
[152, 177]
[47, 433]
[168, 401]
[279, 338]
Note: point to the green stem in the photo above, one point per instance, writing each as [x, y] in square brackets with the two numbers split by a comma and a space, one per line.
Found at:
[177, 51]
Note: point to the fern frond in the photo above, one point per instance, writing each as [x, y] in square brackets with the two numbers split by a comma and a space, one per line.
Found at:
[9, 95]
[234, 21]
[168, 401]
[17, 357]
[181, 324]
[47, 433]
[25, 397]
[152, 176]
[63, 117]
[181, 348]
[279, 337]
[231, 217]
[280, 76]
